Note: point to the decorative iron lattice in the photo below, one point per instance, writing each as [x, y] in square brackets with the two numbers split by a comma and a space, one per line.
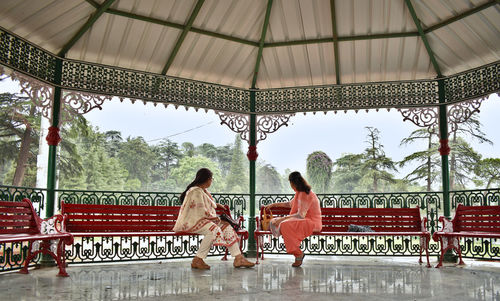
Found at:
[422, 117]
[107, 249]
[114, 81]
[348, 97]
[17, 194]
[429, 116]
[462, 111]
[473, 84]
[25, 57]
[76, 103]
[40, 93]
[238, 123]
[29, 59]
[265, 124]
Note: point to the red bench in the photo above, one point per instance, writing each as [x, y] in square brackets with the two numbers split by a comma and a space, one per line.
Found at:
[84, 220]
[469, 221]
[19, 222]
[384, 221]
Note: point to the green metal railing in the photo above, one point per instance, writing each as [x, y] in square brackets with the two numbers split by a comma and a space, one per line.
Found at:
[94, 249]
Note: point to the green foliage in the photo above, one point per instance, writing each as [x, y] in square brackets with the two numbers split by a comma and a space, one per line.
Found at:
[268, 180]
[319, 171]
[376, 165]
[186, 172]
[347, 174]
[138, 158]
[488, 171]
[237, 179]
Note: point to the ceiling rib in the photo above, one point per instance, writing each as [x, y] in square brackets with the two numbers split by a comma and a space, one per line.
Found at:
[181, 26]
[335, 42]
[424, 38]
[299, 42]
[462, 15]
[181, 38]
[92, 19]
[261, 42]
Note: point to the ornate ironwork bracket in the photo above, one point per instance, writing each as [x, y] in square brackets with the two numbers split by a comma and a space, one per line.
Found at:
[75, 103]
[265, 124]
[42, 96]
[429, 116]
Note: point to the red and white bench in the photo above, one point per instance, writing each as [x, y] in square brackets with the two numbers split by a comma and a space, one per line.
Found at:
[19, 222]
[469, 221]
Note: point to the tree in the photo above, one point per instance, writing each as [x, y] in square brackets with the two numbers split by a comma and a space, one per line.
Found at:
[224, 157]
[347, 174]
[488, 170]
[138, 159]
[185, 172]
[375, 163]
[463, 158]
[237, 178]
[170, 154]
[187, 149]
[207, 150]
[268, 179]
[18, 122]
[319, 171]
[113, 140]
[428, 160]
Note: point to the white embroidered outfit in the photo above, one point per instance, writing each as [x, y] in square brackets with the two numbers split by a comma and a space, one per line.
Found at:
[197, 215]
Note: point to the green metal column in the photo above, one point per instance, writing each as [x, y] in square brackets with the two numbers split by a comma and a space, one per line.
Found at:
[444, 149]
[252, 157]
[53, 139]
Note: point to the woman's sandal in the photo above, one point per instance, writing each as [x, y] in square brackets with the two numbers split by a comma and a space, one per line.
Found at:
[242, 263]
[199, 264]
[298, 261]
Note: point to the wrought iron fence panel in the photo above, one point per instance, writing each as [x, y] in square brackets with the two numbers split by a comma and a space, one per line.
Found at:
[17, 194]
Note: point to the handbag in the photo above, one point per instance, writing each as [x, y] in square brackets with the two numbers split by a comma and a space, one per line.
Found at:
[267, 216]
[230, 220]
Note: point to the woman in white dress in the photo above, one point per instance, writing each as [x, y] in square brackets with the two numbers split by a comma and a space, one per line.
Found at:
[197, 215]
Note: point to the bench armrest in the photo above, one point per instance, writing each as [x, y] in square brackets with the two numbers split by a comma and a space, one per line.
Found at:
[53, 225]
[424, 224]
[257, 223]
[447, 225]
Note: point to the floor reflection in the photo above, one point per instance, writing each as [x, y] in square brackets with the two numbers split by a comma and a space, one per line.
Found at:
[274, 279]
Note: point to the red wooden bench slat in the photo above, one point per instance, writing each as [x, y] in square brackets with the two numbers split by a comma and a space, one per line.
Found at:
[4, 217]
[16, 210]
[14, 204]
[117, 210]
[144, 217]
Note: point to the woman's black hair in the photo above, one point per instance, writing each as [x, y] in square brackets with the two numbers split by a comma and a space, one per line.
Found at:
[202, 176]
[299, 182]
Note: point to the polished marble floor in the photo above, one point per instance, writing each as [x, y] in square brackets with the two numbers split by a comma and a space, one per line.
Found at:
[319, 278]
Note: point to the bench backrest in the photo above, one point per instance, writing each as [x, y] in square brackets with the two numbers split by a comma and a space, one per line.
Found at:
[119, 218]
[17, 217]
[379, 219]
[477, 218]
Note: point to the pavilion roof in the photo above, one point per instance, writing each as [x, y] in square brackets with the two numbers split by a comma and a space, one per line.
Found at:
[263, 43]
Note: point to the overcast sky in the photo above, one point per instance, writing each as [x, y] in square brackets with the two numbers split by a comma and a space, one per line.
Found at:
[335, 134]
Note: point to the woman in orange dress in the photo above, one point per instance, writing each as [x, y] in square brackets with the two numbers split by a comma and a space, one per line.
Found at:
[197, 215]
[304, 217]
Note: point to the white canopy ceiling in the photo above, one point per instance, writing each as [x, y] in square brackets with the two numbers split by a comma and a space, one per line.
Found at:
[305, 42]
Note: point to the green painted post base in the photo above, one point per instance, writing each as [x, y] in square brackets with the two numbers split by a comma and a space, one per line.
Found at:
[450, 257]
[251, 248]
[47, 261]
